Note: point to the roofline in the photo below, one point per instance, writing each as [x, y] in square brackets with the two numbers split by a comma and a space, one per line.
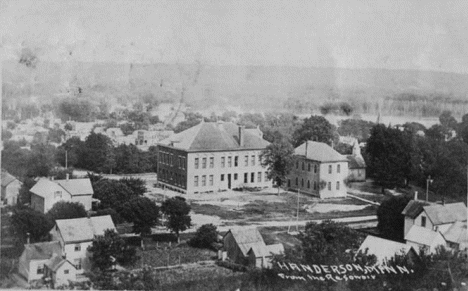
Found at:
[216, 150]
[326, 161]
[77, 241]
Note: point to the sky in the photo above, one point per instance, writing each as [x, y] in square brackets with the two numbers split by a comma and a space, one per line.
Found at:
[391, 34]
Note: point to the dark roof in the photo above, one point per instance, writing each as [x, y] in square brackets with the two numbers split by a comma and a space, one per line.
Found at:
[41, 251]
[319, 151]
[414, 208]
[356, 162]
[214, 136]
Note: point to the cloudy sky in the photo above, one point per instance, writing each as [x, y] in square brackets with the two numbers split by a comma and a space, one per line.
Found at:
[408, 34]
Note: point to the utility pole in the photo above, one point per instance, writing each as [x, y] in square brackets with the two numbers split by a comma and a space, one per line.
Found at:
[429, 180]
[66, 159]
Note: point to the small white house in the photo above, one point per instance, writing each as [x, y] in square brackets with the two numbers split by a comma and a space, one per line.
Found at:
[32, 261]
[60, 271]
[384, 250]
[420, 237]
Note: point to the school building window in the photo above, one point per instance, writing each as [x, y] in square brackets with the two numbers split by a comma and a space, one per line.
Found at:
[222, 177]
[204, 163]
[303, 167]
[229, 162]
[329, 185]
[302, 182]
[211, 162]
[211, 180]
[236, 161]
[235, 176]
[259, 178]
[195, 181]
[338, 168]
[223, 162]
[315, 169]
[308, 184]
[246, 161]
[308, 167]
[252, 177]
[337, 185]
[330, 169]
[203, 180]
[246, 177]
[196, 163]
[297, 181]
[253, 160]
[315, 185]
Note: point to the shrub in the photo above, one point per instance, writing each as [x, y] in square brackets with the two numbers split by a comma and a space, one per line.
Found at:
[205, 237]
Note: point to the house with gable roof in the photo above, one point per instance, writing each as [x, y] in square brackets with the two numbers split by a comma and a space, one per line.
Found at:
[420, 237]
[212, 156]
[384, 249]
[45, 193]
[247, 247]
[319, 170]
[31, 263]
[77, 234]
[10, 189]
[60, 271]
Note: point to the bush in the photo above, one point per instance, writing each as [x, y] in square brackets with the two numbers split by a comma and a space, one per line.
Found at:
[205, 237]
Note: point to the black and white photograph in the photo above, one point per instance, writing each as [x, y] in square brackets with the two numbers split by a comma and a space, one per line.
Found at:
[234, 145]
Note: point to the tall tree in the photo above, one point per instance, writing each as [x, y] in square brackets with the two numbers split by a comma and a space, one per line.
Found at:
[143, 212]
[177, 212]
[111, 193]
[109, 249]
[314, 128]
[391, 222]
[99, 154]
[389, 156]
[25, 220]
[136, 185]
[278, 158]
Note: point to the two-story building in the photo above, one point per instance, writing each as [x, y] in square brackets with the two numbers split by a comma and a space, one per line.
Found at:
[45, 193]
[318, 170]
[210, 157]
[77, 234]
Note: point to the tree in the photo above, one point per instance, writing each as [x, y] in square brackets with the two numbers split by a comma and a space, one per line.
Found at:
[136, 185]
[315, 128]
[205, 237]
[177, 212]
[111, 193]
[109, 249]
[278, 158]
[389, 156]
[25, 220]
[143, 212]
[71, 152]
[66, 210]
[98, 154]
[391, 222]
[41, 160]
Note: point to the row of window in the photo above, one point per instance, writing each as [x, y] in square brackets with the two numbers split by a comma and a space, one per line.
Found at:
[174, 178]
[315, 185]
[227, 161]
[309, 167]
[196, 180]
[172, 160]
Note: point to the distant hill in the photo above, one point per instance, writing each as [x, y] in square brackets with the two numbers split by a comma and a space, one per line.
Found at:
[222, 85]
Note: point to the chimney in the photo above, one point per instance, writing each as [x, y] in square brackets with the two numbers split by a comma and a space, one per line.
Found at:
[67, 176]
[28, 238]
[241, 135]
[415, 195]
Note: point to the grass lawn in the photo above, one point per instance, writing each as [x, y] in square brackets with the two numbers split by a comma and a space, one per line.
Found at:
[161, 254]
